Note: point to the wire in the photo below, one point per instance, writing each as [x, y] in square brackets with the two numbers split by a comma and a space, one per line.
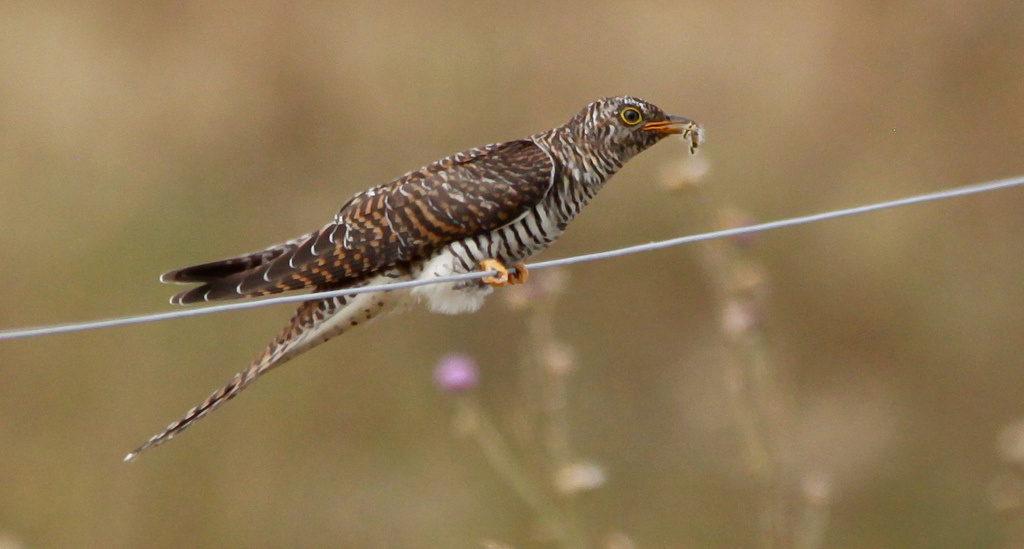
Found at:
[184, 313]
[917, 199]
[140, 319]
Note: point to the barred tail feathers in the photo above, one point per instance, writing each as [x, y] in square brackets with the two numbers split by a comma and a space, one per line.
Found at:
[313, 323]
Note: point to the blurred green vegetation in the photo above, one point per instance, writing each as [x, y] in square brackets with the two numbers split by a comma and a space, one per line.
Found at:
[136, 138]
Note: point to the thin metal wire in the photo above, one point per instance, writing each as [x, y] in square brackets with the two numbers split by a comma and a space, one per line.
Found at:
[939, 195]
[139, 319]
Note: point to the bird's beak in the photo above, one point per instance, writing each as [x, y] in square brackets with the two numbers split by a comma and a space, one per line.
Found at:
[671, 125]
[678, 125]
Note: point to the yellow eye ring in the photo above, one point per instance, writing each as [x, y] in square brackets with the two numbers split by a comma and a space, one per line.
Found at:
[631, 116]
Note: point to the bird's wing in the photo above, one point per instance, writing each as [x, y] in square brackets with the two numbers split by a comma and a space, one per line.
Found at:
[393, 224]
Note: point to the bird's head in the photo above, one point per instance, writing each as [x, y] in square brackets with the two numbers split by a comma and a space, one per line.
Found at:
[626, 126]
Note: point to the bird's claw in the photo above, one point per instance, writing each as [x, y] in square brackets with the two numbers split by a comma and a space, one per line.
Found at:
[503, 277]
[520, 275]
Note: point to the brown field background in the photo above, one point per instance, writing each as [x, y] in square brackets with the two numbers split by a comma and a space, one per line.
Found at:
[136, 138]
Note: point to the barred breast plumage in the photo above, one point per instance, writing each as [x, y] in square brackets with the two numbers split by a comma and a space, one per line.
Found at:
[493, 205]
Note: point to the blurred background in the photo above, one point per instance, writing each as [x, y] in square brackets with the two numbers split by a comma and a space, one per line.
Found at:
[853, 383]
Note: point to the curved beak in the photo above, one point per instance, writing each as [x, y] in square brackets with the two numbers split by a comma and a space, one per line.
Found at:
[678, 125]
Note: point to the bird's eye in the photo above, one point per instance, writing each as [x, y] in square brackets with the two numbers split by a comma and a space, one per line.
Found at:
[631, 116]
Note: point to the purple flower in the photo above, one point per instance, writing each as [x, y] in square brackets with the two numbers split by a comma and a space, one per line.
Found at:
[456, 373]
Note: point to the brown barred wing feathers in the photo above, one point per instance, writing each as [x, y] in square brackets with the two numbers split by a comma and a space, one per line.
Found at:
[389, 225]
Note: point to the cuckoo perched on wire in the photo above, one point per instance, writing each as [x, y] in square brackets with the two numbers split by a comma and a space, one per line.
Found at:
[481, 209]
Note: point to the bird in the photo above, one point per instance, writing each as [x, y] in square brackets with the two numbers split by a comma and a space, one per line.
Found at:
[483, 209]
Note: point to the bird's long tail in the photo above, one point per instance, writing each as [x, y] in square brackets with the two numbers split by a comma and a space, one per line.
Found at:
[313, 323]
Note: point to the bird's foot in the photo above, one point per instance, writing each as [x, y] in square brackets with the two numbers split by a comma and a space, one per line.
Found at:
[520, 275]
[503, 277]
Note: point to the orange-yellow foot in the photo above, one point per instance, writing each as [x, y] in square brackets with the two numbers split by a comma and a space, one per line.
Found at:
[521, 275]
[503, 277]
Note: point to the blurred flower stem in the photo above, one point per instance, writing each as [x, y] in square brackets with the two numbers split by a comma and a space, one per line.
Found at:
[761, 405]
[548, 365]
[540, 465]
[755, 395]
[503, 461]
